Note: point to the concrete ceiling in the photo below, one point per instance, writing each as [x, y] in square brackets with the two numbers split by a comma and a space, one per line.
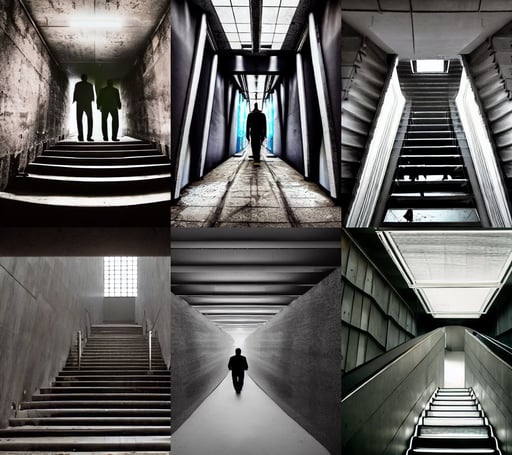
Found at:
[427, 28]
[102, 49]
[240, 280]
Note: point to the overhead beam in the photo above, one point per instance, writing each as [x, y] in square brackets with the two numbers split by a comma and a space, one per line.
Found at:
[249, 299]
[239, 289]
[256, 9]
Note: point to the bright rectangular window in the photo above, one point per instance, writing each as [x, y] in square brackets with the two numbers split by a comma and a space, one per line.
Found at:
[430, 66]
[120, 276]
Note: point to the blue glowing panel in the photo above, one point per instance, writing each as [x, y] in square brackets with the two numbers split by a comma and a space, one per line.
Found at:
[242, 112]
[269, 110]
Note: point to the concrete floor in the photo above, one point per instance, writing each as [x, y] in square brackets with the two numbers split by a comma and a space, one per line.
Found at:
[237, 194]
[249, 424]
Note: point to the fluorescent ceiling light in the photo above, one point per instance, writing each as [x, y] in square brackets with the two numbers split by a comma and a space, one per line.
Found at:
[452, 272]
[430, 66]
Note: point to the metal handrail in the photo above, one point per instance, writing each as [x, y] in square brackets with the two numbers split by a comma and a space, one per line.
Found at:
[150, 334]
[79, 347]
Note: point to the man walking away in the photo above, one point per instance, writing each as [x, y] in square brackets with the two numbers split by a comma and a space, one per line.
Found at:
[238, 364]
[256, 131]
[83, 96]
[108, 103]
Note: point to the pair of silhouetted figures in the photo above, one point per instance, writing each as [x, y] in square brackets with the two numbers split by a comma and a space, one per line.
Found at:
[238, 364]
[256, 131]
[108, 103]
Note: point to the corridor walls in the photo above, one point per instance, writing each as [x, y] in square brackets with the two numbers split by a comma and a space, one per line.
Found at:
[295, 357]
[145, 92]
[44, 301]
[153, 301]
[33, 92]
[199, 351]
[374, 318]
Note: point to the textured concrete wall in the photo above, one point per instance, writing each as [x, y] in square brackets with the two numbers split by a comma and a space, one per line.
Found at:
[374, 319]
[33, 92]
[146, 91]
[490, 378]
[295, 359]
[43, 303]
[119, 310]
[200, 352]
[153, 302]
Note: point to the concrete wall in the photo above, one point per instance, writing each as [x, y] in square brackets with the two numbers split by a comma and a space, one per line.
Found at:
[295, 358]
[119, 310]
[490, 378]
[33, 92]
[146, 92]
[153, 302]
[373, 317]
[379, 418]
[43, 303]
[200, 352]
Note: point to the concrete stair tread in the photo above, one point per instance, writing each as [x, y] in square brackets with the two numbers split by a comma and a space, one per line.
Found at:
[99, 179]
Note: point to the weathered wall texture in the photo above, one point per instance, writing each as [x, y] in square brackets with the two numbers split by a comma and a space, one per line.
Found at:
[43, 303]
[199, 352]
[145, 93]
[153, 302]
[33, 92]
[374, 319]
[295, 358]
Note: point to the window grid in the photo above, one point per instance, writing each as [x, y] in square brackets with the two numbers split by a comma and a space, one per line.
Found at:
[120, 276]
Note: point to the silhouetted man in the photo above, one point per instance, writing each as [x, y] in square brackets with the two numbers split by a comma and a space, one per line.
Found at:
[256, 131]
[108, 103]
[238, 364]
[84, 96]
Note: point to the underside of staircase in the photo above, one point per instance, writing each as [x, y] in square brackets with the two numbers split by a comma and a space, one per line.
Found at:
[110, 403]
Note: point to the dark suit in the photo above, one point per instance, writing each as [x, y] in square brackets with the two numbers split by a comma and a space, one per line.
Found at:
[256, 130]
[238, 364]
[109, 102]
[84, 96]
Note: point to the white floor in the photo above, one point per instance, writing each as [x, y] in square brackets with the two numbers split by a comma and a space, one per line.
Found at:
[249, 424]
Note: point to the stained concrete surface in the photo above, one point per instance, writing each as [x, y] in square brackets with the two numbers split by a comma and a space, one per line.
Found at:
[249, 423]
[254, 198]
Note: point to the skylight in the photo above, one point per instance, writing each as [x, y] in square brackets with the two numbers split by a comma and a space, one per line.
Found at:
[256, 89]
[430, 66]
[276, 18]
[235, 18]
[456, 274]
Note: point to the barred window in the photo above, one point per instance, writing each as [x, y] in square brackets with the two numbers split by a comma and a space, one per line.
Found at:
[120, 276]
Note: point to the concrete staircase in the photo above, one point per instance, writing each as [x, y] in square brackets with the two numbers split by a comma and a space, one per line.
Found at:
[111, 402]
[97, 168]
[453, 422]
[431, 174]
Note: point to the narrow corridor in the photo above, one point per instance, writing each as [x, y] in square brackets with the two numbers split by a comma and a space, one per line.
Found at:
[249, 423]
[237, 194]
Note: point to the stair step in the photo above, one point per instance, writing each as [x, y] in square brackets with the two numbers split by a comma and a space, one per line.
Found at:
[93, 396]
[85, 430]
[113, 389]
[127, 403]
[82, 170]
[78, 414]
[440, 421]
[447, 443]
[90, 443]
[91, 421]
[454, 431]
[453, 414]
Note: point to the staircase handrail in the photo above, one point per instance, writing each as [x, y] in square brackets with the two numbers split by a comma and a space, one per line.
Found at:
[364, 373]
[499, 349]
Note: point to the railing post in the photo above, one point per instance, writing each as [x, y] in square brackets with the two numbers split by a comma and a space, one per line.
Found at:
[79, 347]
[150, 333]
